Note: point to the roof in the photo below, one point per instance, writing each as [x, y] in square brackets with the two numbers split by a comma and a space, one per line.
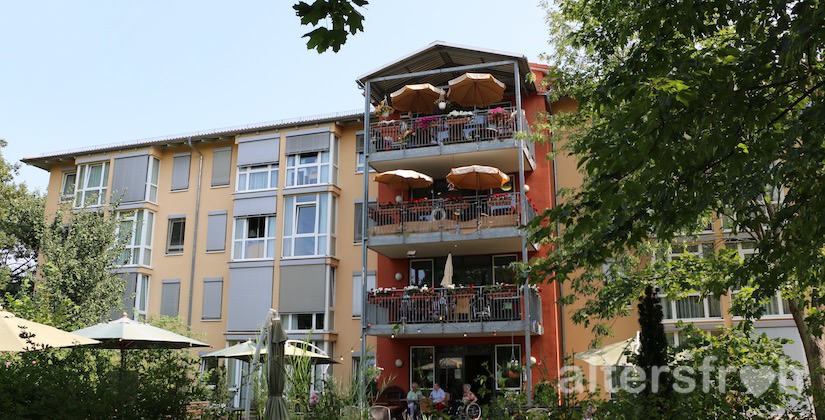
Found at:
[441, 55]
[47, 160]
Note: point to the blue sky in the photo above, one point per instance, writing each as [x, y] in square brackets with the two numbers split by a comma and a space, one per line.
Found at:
[85, 73]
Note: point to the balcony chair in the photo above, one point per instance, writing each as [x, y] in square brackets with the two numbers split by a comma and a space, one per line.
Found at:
[379, 412]
[463, 308]
[482, 309]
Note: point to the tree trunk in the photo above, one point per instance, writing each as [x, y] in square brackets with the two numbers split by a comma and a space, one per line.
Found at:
[814, 355]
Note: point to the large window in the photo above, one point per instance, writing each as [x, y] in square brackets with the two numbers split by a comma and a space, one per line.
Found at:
[690, 307]
[505, 355]
[67, 188]
[308, 169]
[135, 228]
[422, 366]
[421, 273]
[254, 238]
[152, 180]
[258, 177]
[175, 236]
[309, 225]
[93, 180]
[303, 322]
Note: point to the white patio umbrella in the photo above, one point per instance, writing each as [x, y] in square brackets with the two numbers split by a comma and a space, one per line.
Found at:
[612, 354]
[18, 334]
[293, 348]
[448, 271]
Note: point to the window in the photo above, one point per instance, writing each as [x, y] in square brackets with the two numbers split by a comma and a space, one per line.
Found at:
[152, 180]
[216, 231]
[254, 238]
[141, 296]
[358, 222]
[422, 366]
[360, 158]
[690, 307]
[309, 225]
[502, 273]
[212, 298]
[356, 290]
[170, 297]
[67, 188]
[135, 229]
[221, 166]
[421, 273]
[93, 179]
[177, 230]
[180, 172]
[258, 177]
[308, 169]
[304, 322]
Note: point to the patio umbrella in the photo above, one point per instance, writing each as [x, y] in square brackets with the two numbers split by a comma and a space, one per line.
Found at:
[275, 404]
[417, 98]
[477, 177]
[125, 333]
[475, 89]
[612, 354]
[244, 351]
[448, 271]
[404, 179]
[18, 334]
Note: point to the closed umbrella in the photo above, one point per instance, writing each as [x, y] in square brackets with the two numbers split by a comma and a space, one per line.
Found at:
[477, 177]
[476, 89]
[404, 179]
[448, 271]
[275, 404]
[416, 98]
[18, 334]
[612, 354]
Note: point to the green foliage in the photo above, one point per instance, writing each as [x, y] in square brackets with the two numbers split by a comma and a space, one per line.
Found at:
[21, 225]
[342, 16]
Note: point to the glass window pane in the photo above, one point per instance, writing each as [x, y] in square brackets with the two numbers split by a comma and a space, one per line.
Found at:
[422, 366]
[94, 176]
[304, 321]
[690, 307]
[306, 220]
[258, 180]
[242, 182]
[305, 246]
[714, 307]
[256, 227]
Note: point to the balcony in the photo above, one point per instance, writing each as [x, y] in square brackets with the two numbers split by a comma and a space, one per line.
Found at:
[462, 226]
[430, 143]
[442, 312]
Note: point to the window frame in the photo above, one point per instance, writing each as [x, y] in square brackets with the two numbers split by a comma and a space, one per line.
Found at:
[270, 222]
[245, 171]
[152, 177]
[170, 232]
[83, 189]
[324, 225]
[64, 196]
[141, 303]
[138, 247]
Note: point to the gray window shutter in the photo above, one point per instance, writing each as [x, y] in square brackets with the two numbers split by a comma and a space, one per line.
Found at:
[307, 143]
[129, 179]
[180, 172]
[302, 288]
[258, 152]
[216, 231]
[212, 298]
[170, 297]
[357, 235]
[359, 143]
[221, 166]
[356, 290]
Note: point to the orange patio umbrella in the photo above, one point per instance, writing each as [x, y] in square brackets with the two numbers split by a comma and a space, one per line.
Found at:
[477, 177]
[476, 89]
[404, 179]
[417, 98]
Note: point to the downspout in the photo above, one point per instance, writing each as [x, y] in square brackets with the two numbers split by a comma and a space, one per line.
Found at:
[528, 319]
[362, 384]
[195, 238]
[559, 305]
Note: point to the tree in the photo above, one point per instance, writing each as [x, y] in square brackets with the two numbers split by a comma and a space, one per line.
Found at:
[691, 109]
[653, 350]
[21, 224]
[343, 17]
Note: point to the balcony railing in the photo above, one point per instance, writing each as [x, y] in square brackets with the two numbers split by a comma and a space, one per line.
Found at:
[440, 130]
[447, 214]
[458, 305]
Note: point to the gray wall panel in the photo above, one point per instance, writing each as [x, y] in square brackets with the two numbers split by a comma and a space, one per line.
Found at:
[302, 288]
[250, 297]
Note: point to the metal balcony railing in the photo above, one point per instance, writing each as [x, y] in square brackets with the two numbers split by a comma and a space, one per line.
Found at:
[451, 305]
[435, 130]
[447, 214]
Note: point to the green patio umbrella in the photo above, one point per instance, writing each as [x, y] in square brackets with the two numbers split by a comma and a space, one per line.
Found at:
[276, 363]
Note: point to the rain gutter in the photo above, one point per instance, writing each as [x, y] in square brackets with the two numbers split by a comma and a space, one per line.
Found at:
[195, 238]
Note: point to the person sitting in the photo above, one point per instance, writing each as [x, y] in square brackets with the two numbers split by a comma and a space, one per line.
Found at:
[468, 396]
[412, 399]
[439, 397]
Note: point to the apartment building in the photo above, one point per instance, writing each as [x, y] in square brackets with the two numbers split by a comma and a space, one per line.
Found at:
[225, 224]
[445, 303]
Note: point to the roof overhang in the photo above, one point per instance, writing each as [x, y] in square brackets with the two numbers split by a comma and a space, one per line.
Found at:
[441, 62]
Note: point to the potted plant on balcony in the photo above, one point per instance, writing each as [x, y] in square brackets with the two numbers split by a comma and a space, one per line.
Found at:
[511, 369]
[383, 109]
